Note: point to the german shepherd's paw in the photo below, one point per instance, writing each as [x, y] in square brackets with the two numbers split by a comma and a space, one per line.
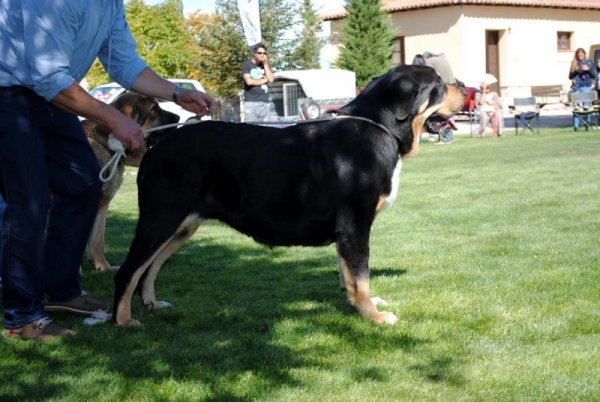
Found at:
[130, 323]
[386, 318]
[378, 301]
[156, 305]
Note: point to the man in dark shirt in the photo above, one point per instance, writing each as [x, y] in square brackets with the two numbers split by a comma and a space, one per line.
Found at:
[257, 73]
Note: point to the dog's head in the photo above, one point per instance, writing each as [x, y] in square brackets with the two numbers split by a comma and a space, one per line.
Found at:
[409, 100]
[148, 114]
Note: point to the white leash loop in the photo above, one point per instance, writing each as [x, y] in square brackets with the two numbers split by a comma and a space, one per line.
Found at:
[115, 145]
[113, 163]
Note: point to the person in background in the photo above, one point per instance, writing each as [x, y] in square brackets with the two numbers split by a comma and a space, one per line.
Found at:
[581, 74]
[256, 74]
[597, 83]
[488, 107]
[437, 60]
[419, 60]
[440, 64]
[47, 47]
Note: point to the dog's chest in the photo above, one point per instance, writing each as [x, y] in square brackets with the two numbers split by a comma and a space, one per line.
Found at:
[389, 199]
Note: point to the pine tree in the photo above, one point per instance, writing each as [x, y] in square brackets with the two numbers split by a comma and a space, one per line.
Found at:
[306, 54]
[367, 35]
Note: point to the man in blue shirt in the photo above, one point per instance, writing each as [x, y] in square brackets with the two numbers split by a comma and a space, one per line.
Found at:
[46, 48]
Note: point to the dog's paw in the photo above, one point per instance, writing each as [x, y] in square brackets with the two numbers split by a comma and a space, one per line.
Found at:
[387, 318]
[157, 305]
[129, 323]
[378, 301]
[107, 268]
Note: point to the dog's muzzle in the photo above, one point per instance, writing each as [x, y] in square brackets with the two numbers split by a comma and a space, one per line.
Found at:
[437, 124]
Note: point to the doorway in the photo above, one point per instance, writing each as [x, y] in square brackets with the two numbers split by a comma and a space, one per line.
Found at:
[492, 57]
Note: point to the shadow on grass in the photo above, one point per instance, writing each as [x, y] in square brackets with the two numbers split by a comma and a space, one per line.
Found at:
[239, 310]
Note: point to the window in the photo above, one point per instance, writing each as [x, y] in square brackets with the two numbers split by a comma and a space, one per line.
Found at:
[398, 56]
[563, 41]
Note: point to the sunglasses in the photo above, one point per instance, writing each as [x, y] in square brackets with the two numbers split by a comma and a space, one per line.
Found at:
[261, 52]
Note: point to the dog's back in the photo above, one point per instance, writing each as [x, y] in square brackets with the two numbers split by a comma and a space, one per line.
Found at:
[280, 186]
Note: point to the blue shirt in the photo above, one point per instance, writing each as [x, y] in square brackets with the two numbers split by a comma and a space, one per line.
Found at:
[48, 45]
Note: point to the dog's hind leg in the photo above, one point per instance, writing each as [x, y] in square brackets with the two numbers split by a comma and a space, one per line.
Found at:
[146, 246]
[126, 280]
[354, 277]
[146, 285]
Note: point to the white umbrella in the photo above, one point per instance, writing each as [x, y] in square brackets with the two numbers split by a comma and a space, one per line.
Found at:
[487, 78]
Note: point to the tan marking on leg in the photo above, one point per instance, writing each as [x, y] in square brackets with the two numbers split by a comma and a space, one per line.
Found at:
[123, 312]
[148, 294]
[381, 203]
[96, 241]
[343, 270]
[361, 300]
[358, 295]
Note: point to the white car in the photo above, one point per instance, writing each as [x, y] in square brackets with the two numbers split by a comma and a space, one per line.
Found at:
[109, 92]
[184, 115]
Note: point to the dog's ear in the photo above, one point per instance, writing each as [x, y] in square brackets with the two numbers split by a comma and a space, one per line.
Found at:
[399, 95]
[131, 105]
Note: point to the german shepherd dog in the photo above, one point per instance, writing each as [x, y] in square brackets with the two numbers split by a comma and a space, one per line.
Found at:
[147, 112]
[311, 184]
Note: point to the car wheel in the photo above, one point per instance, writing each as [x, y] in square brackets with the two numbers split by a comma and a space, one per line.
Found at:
[311, 110]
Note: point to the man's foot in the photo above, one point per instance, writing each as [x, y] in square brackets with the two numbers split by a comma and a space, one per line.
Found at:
[443, 143]
[82, 305]
[40, 330]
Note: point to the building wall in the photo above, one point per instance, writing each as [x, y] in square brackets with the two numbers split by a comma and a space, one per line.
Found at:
[528, 52]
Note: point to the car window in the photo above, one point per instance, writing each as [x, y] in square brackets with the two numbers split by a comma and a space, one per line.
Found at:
[104, 93]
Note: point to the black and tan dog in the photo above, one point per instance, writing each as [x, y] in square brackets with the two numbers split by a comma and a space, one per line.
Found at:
[311, 184]
[147, 112]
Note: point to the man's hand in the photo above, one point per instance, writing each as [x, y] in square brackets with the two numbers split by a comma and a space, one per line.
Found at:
[77, 101]
[128, 131]
[196, 102]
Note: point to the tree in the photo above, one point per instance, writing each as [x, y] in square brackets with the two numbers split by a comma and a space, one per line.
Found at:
[162, 40]
[196, 23]
[161, 36]
[306, 54]
[367, 35]
[224, 49]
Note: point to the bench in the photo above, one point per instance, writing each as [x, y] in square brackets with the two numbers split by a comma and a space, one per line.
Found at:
[548, 91]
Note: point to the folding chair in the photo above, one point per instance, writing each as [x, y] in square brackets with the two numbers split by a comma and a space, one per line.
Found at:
[583, 113]
[527, 113]
[473, 117]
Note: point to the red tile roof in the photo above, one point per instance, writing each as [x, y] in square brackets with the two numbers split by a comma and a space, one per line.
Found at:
[402, 5]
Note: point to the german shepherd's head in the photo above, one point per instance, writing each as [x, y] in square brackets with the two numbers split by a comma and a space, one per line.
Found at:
[148, 113]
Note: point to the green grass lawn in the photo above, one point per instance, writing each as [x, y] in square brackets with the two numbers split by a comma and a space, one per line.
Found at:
[490, 258]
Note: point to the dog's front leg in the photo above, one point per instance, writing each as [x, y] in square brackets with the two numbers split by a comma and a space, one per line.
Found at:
[97, 239]
[353, 259]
